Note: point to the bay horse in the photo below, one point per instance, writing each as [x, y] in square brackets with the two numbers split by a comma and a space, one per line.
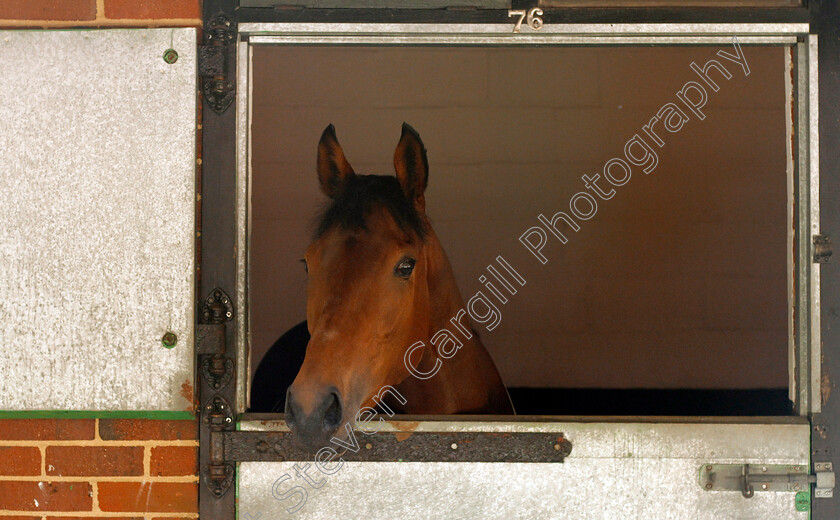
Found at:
[379, 281]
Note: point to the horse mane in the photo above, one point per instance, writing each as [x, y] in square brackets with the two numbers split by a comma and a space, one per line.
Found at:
[360, 194]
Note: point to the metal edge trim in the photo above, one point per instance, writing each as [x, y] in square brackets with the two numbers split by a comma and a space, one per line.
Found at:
[506, 30]
[243, 202]
[790, 151]
[814, 207]
[802, 236]
[467, 39]
[432, 423]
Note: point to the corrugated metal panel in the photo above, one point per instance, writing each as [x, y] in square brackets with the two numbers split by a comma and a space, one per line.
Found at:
[98, 219]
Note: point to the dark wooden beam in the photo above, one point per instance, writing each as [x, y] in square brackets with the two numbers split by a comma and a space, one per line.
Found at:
[825, 426]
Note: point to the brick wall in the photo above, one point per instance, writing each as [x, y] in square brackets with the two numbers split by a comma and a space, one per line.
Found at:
[98, 468]
[100, 13]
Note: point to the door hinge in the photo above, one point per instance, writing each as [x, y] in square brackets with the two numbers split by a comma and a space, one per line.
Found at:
[751, 478]
[822, 249]
[217, 474]
[216, 84]
[217, 371]
[215, 367]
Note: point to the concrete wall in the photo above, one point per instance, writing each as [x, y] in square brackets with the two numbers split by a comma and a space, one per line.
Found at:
[679, 281]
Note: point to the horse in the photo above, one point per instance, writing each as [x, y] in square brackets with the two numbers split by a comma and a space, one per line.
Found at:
[379, 281]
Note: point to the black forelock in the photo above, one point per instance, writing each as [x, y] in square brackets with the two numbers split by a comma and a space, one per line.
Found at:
[357, 198]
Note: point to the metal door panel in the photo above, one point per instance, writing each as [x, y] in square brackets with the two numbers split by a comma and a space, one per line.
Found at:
[615, 470]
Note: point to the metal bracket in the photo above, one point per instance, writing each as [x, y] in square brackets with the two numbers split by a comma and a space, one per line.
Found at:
[216, 86]
[217, 475]
[822, 249]
[217, 371]
[752, 478]
[825, 479]
[218, 478]
[217, 308]
[218, 415]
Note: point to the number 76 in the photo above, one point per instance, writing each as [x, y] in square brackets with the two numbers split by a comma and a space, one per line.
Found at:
[531, 17]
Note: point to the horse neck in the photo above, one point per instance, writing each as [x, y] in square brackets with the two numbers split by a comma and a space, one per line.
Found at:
[468, 381]
[443, 291]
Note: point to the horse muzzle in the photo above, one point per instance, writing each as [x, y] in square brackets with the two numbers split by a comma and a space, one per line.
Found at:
[313, 418]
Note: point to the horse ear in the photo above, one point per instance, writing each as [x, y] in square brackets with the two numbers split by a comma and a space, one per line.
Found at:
[333, 168]
[411, 165]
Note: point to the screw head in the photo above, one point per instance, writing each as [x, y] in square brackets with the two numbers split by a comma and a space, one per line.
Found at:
[709, 485]
[368, 446]
[170, 56]
[454, 446]
[169, 340]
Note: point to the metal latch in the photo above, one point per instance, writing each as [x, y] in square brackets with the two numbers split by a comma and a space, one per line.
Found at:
[749, 478]
[822, 249]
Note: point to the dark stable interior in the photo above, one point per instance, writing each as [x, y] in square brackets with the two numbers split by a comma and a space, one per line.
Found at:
[280, 366]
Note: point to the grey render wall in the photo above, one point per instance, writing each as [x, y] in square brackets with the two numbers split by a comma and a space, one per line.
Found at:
[97, 219]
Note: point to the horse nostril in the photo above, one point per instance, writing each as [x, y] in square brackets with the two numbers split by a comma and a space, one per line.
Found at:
[332, 417]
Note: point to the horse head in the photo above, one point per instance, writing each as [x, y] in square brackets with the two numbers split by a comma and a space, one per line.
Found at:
[368, 286]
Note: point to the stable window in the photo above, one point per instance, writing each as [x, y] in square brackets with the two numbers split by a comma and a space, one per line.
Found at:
[682, 272]
[666, 278]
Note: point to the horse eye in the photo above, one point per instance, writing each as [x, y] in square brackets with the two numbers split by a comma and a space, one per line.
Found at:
[404, 268]
[305, 266]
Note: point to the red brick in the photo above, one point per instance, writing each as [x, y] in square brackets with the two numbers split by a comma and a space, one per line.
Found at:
[51, 496]
[152, 9]
[91, 518]
[46, 429]
[174, 461]
[70, 10]
[79, 461]
[20, 460]
[169, 497]
[146, 429]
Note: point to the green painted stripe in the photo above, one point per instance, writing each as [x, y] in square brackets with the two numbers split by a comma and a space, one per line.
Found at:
[93, 414]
